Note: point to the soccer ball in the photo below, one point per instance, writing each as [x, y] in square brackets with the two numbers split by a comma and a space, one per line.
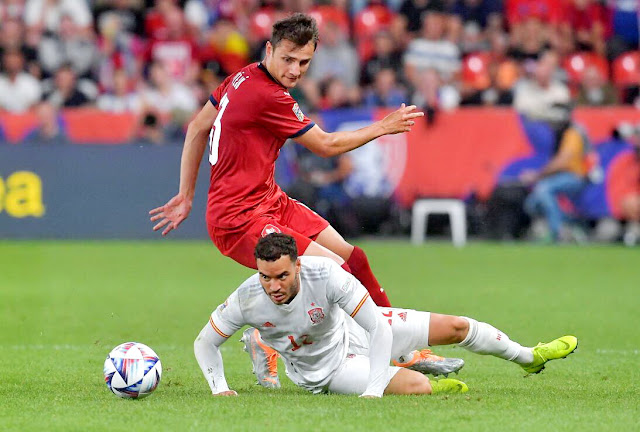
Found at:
[132, 370]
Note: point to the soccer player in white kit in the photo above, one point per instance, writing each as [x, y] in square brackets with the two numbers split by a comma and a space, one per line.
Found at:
[333, 338]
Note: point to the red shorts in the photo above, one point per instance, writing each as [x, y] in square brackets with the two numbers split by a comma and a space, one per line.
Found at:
[289, 217]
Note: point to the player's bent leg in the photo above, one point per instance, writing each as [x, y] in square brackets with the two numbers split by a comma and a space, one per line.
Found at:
[410, 330]
[447, 329]
[357, 261]
[316, 249]
[408, 382]
[332, 240]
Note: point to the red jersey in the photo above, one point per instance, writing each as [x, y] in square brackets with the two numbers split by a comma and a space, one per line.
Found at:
[256, 115]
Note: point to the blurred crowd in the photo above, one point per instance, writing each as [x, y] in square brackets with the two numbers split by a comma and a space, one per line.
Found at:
[160, 59]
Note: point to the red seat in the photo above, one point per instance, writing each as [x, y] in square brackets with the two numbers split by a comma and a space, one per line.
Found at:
[371, 20]
[577, 63]
[626, 69]
[326, 13]
[261, 22]
[475, 70]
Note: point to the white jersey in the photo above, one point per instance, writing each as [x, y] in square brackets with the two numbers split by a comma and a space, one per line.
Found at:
[320, 342]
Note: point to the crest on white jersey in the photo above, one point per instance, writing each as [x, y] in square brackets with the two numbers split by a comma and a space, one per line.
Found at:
[316, 315]
[269, 229]
[298, 112]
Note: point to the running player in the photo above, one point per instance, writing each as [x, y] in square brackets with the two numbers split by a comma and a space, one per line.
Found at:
[246, 121]
[317, 316]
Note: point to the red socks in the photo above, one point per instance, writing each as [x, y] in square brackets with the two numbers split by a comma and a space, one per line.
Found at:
[359, 265]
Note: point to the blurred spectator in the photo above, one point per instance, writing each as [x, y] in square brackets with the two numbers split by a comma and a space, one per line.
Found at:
[530, 39]
[120, 99]
[585, 23]
[385, 91]
[431, 94]
[564, 175]
[119, 49]
[545, 11]
[129, 14]
[19, 90]
[65, 92]
[12, 37]
[11, 10]
[536, 97]
[476, 11]
[431, 51]
[175, 48]
[151, 131]
[226, 45]
[595, 90]
[335, 57]
[335, 94]
[625, 26]
[412, 13]
[473, 39]
[155, 20]
[172, 100]
[68, 46]
[46, 15]
[50, 129]
[385, 56]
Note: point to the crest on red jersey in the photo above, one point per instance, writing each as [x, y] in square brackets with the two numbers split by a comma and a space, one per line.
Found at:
[316, 315]
[269, 229]
[298, 112]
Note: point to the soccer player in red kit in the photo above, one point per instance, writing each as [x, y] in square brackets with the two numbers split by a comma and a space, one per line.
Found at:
[246, 121]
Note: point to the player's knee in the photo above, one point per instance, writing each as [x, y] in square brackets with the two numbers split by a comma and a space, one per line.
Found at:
[420, 385]
[459, 329]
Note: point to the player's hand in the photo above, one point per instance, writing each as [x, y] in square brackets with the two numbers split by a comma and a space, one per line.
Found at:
[401, 119]
[171, 214]
[227, 393]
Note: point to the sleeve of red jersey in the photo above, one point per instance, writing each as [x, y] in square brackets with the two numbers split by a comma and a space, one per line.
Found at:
[282, 116]
[219, 92]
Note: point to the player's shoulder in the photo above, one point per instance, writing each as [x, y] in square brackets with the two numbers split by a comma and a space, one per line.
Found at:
[249, 290]
[315, 267]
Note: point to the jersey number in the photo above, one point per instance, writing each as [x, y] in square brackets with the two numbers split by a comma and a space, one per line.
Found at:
[304, 340]
[214, 135]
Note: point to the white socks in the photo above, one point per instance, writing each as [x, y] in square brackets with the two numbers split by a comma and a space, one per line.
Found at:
[486, 339]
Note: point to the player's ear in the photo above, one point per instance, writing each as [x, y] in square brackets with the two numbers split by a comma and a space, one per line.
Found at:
[297, 265]
[269, 49]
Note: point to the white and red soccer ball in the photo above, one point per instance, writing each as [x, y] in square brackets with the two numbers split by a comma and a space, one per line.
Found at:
[132, 370]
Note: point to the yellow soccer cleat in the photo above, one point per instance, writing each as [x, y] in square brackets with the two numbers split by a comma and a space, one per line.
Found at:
[448, 385]
[556, 349]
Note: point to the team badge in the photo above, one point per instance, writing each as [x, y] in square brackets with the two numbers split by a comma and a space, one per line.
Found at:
[224, 305]
[403, 316]
[269, 229]
[298, 112]
[316, 315]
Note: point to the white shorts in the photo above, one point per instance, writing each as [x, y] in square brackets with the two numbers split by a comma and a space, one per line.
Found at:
[410, 330]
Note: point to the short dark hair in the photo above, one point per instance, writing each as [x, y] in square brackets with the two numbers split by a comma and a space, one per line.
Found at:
[273, 246]
[297, 28]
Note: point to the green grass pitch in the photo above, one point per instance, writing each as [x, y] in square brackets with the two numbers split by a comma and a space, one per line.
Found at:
[64, 305]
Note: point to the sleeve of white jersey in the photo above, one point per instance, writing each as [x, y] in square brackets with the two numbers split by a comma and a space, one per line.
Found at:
[354, 299]
[227, 318]
[223, 322]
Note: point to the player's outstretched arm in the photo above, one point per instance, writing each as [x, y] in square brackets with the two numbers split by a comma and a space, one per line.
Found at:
[177, 209]
[335, 143]
[207, 353]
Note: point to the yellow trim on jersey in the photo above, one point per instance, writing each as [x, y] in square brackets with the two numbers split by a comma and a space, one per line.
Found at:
[355, 311]
[217, 329]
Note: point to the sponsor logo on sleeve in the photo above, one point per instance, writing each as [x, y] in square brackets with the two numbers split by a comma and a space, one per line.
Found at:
[298, 112]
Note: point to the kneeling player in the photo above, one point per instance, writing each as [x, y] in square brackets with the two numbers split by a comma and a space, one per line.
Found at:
[317, 316]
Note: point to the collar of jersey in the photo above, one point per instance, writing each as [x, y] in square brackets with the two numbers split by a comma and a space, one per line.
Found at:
[263, 68]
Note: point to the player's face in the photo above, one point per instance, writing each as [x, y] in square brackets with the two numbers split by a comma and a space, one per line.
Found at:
[280, 278]
[288, 62]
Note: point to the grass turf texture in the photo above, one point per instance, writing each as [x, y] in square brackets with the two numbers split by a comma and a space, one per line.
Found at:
[64, 306]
